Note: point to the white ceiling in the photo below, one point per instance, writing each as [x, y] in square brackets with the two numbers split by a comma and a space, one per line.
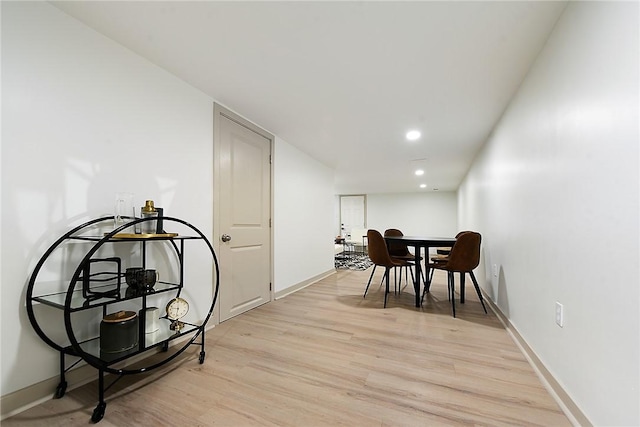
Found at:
[344, 81]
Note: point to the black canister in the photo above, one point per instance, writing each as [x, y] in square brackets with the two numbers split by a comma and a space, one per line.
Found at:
[119, 331]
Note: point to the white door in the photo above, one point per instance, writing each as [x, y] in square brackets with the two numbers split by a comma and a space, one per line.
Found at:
[352, 213]
[244, 209]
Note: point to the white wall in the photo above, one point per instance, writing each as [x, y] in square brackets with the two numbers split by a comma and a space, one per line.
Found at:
[303, 216]
[555, 194]
[431, 214]
[84, 118]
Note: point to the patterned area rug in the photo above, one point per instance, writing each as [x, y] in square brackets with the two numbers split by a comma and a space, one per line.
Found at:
[352, 262]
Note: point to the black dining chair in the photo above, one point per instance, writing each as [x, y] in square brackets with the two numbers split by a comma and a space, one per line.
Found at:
[464, 258]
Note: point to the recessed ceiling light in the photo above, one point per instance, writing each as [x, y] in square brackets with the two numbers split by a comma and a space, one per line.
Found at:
[419, 172]
[412, 135]
[423, 185]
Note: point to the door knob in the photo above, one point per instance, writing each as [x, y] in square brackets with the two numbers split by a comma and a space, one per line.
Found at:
[225, 237]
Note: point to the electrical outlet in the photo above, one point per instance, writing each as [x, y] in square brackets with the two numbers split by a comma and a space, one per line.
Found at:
[559, 314]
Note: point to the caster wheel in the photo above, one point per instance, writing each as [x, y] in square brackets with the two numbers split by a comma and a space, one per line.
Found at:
[165, 346]
[98, 413]
[61, 389]
[201, 358]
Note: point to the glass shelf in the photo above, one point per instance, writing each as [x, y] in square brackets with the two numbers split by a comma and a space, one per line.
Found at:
[142, 238]
[151, 340]
[79, 302]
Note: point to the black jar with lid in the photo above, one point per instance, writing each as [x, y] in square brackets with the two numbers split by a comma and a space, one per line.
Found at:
[119, 331]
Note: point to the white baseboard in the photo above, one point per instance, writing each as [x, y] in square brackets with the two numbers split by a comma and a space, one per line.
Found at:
[21, 400]
[568, 406]
[291, 289]
[30, 396]
[35, 394]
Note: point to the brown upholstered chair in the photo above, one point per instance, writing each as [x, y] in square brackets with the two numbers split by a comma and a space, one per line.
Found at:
[442, 256]
[397, 249]
[400, 250]
[443, 253]
[464, 257]
[379, 255]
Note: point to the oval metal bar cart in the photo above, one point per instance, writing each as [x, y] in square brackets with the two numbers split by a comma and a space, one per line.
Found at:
[82, 279]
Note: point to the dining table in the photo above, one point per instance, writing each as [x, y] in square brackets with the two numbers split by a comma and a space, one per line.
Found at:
[418, 243]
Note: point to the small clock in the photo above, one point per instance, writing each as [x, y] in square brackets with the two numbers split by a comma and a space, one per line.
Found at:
[177, 308]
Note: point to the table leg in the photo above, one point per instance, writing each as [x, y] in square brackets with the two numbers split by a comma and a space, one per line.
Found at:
[416, 282]
[427, 283]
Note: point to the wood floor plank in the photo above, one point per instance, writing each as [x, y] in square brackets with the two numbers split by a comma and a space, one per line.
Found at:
[326, 356]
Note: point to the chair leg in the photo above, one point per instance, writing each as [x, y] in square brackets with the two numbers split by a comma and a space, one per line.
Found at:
[413, 278]
[395, 280]
[384, 276]
[452, 294]
[406, 277]
[462, 287]
[407, 270]
[369, 282]
[452, 285]
[475, 284]
[427, 284]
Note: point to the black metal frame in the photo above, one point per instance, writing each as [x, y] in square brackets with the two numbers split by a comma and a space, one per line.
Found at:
[97, 299]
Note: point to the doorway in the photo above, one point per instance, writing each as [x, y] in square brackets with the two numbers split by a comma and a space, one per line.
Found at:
[242, 212]
[353, 213]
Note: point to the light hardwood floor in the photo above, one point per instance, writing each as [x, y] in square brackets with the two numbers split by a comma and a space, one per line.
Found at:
[324, 356]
